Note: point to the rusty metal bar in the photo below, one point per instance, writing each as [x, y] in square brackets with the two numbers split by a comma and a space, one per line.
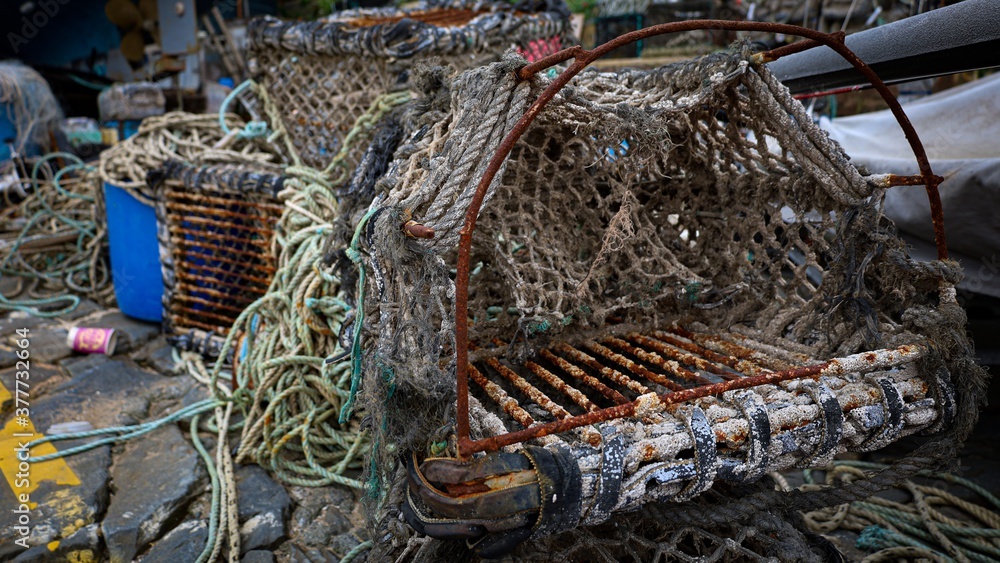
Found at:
[672, 366]
[508, 403]
[739, 365]
[918, 180]
[701, 362]
[798, 47]
[734, 349]
[583, 376]
[416, 230]
[633, 367]
[582, 58]
[866, 361]
[533, 393]
[614, 375]
[559, 385]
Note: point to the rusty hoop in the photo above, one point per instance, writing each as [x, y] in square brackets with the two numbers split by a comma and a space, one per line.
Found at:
[581, 59]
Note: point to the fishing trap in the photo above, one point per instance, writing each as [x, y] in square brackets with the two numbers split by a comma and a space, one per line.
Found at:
[583, 293]
[319, 77]
[216, 228]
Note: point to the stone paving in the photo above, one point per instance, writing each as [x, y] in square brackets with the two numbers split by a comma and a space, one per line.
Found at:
[146, 499]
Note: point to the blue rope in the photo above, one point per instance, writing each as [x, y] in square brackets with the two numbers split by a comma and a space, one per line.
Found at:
[252, 130]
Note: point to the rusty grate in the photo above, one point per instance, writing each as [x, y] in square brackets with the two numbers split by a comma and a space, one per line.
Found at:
[619, 375]
[216, 245]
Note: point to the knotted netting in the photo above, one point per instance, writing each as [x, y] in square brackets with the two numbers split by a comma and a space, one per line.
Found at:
[652, 232]
[321, 76]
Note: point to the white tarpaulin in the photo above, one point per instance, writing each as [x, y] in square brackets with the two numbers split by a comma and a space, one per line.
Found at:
[960, 130]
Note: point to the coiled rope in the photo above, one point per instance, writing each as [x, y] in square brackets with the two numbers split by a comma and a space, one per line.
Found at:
[289, 391]
[58, 250]
[934, 524]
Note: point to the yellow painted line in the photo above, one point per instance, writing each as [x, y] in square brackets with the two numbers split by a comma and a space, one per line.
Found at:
[4, 394]
[12, 437]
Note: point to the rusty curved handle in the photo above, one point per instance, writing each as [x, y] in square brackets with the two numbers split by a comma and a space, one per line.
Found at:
[582, 58]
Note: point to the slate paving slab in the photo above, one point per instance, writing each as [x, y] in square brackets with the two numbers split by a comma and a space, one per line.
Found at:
[263, 508]
[157, 354]
[84, 546]
[64, 507]
[102, 392]
[155, 477]
[46, 344]
[258, 556]
[40, 376]
[182, 544]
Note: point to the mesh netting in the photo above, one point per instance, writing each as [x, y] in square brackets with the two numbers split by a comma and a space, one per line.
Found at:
[699, 195]
[699, 186]
[321, 76]
[28, 104]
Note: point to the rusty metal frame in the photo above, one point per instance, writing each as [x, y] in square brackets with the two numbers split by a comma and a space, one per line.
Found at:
[581, 59]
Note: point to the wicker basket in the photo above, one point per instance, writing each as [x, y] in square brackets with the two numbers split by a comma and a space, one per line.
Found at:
[321, 76]
[215, 229]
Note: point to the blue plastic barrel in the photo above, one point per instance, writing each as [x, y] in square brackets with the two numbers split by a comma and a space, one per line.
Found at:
[135, 255]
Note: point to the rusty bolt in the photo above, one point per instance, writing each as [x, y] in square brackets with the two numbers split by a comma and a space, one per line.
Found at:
[416, 230]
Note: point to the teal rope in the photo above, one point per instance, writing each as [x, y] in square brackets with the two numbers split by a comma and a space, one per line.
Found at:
[60, 269]
[213, 518]
[359, 317]
[123, 433]
[252, 130]
[357, 550]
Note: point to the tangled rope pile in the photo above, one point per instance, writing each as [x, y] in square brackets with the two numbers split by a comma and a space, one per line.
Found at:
[292, 424]
[53, 241]
[934, 524]
[191, 138]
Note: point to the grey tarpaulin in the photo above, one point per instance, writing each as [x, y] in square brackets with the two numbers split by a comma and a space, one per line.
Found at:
[959, 129]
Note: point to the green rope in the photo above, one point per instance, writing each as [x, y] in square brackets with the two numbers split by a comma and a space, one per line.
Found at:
[919, 525]
[123, 433]
[354, 254]
[54, 210]
[356, 551]
[213, 518]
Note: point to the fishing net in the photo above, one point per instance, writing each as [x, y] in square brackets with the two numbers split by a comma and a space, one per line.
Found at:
[319, 77]
[684, 231]
[28, 104]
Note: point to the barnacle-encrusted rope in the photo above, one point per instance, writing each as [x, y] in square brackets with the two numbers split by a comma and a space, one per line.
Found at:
[56, 251]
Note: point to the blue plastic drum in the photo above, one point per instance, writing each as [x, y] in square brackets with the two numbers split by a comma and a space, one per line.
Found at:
[135, 255]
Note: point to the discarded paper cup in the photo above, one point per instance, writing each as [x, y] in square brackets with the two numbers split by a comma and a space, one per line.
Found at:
[93, 340]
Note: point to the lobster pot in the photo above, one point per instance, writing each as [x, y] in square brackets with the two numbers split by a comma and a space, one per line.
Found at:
[676, 279]
[321, 76]
[216, 230]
